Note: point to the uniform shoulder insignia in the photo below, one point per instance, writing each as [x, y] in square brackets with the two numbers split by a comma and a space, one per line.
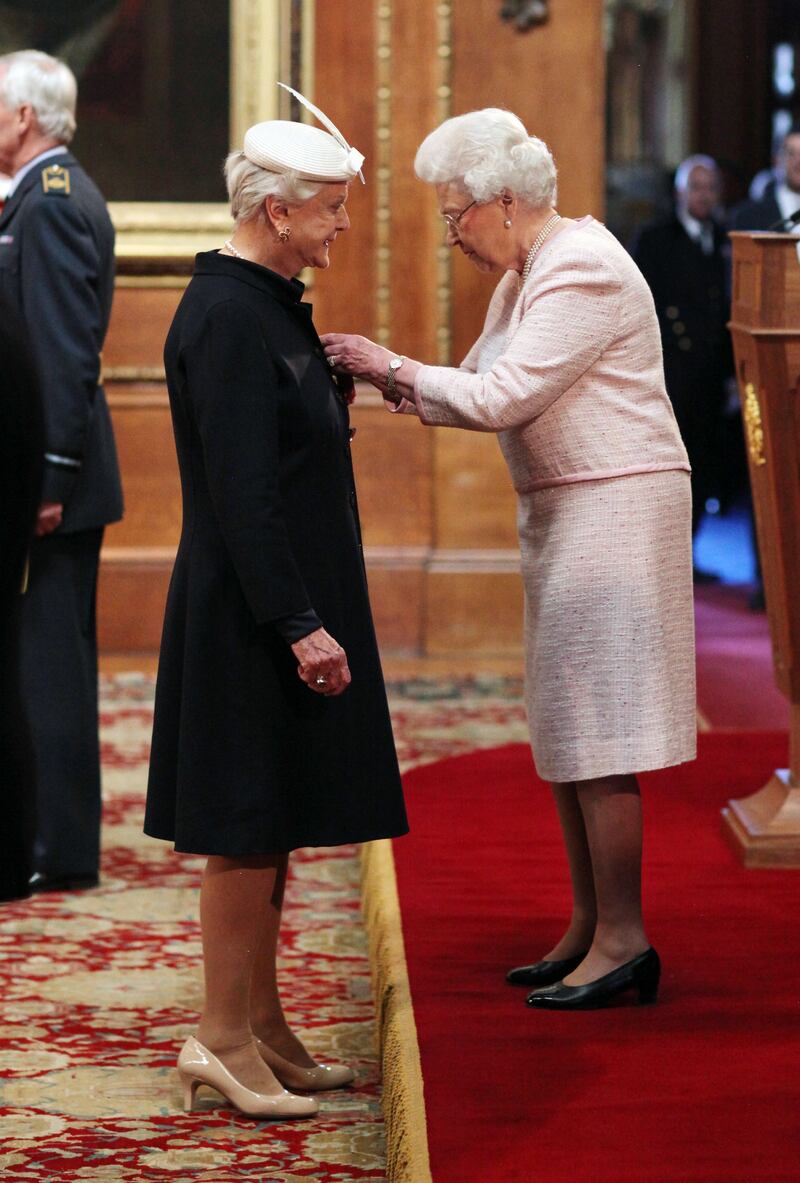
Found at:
[55, 179]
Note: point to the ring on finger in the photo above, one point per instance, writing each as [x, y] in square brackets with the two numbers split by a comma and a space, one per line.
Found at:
[332, 361]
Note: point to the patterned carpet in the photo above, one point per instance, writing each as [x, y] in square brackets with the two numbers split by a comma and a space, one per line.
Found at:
[100, 988]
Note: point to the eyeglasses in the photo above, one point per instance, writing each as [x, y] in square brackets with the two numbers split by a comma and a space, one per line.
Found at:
[452, 220]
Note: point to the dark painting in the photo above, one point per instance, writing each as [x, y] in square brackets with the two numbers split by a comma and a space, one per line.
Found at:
[153, 98]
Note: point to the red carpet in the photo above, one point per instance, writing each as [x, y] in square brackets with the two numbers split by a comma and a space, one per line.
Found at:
[702, 1088]
[735, 680]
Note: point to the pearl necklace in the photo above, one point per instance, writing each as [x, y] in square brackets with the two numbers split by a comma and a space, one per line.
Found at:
[537, 242]
[229, 246]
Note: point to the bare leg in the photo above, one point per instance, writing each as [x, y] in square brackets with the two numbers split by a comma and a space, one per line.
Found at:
[234, 900]
[580, 932]
[267, 1019]
[612, 814]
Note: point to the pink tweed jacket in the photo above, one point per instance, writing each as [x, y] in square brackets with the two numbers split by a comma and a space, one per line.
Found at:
[568, 370]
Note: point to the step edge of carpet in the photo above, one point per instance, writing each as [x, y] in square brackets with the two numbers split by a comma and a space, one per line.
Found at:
[407, 1156]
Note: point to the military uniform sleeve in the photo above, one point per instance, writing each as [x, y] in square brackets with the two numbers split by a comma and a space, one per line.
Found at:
[60, 297]
[231, 386]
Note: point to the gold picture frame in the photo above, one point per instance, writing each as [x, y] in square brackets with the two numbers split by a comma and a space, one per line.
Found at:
[271, 41]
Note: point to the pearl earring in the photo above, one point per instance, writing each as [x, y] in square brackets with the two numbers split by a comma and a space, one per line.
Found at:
[507, 223]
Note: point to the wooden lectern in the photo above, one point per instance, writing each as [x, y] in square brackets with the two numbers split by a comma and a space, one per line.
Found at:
[765, 324]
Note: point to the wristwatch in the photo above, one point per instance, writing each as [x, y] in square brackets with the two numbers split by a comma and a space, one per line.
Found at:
[394, 366]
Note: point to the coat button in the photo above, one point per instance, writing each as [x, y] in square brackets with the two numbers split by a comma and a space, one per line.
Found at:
[672, 312]
[685, 344]
[679, 328]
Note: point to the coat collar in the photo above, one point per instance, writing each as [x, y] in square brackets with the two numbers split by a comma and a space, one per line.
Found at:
[287, 291]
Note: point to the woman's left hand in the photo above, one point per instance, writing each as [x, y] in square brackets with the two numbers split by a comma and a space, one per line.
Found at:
[350, 354]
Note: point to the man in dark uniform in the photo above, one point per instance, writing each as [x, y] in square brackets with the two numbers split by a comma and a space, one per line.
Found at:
[781, 199]
[57, 269]
[683, 260]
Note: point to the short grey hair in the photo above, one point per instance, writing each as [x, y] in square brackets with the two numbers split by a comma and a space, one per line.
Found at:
[249, 186]
[686, 167]
[31, 78]
[486, 153]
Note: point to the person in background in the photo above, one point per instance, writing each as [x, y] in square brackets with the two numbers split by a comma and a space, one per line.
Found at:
[21, 462]
[684, 260]
[781, 198]
[57, 271]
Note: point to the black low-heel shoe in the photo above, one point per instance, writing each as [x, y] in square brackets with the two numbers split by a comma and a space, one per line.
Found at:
[642, 974]
[543, 973]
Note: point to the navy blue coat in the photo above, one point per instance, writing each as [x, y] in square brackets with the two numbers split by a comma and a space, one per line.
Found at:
[57, 271]
[245, 758]
[757, 215]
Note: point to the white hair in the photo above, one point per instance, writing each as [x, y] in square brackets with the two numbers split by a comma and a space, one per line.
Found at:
[687, 167]
[249, 186]
[485, 153]
[31, 78]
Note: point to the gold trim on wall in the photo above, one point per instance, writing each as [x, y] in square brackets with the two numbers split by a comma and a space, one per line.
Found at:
[255, 64]
[134, 374]
[444, 254]
[169, 282]
[158, 230]
[261, 56]
[383, 172]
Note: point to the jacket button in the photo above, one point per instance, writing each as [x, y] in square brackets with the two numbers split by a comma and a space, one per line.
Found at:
[672, 312]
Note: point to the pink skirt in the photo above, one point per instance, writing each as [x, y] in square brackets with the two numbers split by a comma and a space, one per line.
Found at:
[609, 625]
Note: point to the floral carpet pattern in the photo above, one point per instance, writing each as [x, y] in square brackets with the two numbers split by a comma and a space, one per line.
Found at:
[100, 988]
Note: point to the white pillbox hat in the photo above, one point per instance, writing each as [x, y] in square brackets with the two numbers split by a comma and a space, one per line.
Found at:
[281, 145]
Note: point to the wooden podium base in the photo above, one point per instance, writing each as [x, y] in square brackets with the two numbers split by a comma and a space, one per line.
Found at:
[764, 830]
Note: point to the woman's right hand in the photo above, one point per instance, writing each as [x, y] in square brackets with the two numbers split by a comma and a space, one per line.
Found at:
[322, 663]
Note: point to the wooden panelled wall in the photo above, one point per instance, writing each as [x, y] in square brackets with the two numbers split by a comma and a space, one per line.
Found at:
[437, 505]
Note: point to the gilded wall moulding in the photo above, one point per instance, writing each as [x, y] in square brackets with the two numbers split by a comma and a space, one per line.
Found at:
[524, 14]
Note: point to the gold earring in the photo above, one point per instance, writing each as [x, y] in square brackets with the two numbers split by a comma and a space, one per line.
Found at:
[285, 234]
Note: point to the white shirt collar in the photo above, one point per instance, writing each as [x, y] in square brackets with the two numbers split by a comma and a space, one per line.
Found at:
[60, 150]
[693, 227]
[701, 232]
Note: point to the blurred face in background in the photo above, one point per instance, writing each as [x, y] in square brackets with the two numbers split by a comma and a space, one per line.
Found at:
[702, 193]
[790, 159]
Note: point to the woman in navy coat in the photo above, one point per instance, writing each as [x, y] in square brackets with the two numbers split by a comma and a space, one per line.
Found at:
[271, 725]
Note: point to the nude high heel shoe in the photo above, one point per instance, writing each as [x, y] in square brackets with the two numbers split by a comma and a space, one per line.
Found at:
[323, 1076]
[197, 1065]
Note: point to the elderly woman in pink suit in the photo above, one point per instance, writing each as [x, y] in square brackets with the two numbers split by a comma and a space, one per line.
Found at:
[568, 373]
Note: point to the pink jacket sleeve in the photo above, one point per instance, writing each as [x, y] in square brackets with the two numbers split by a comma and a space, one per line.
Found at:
[569, 316]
